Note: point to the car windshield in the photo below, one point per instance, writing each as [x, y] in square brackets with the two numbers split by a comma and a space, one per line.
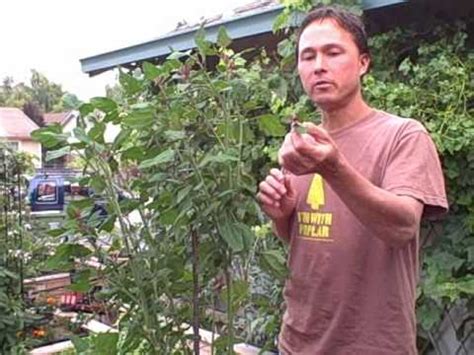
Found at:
[46, 191]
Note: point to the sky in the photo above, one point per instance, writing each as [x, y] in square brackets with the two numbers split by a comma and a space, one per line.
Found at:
[51, 36]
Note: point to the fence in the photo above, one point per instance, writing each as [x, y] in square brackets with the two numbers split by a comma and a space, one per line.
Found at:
[11, 245]
[12, 194]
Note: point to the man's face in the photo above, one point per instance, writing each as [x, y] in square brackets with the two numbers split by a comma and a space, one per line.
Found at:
[329, 64]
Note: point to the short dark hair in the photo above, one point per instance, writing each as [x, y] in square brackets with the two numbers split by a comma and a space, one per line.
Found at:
[348, 20]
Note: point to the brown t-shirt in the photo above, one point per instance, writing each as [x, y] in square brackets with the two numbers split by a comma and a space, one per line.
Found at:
[348, 291]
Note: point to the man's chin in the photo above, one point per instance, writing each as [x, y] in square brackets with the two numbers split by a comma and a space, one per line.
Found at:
[325, 102]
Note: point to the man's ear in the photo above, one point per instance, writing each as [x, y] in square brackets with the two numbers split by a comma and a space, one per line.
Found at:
[364, 64]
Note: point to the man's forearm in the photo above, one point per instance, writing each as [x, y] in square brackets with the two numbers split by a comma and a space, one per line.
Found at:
[392, 218]
[281, 228]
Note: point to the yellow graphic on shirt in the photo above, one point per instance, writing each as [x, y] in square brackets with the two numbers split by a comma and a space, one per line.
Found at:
[315, 225]
[316, 193]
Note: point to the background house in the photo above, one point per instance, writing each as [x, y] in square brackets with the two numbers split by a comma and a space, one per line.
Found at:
[15, 130]
[68, 120]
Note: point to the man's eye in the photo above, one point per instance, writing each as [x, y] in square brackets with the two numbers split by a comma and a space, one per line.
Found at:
[308, 57]
[334, 53]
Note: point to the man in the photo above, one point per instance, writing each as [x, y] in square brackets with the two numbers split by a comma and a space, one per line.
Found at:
[348, 199]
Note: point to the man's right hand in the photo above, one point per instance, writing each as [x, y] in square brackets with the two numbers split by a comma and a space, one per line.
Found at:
[277, 196]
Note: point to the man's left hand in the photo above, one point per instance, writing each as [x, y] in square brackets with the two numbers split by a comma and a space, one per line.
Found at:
[309, 153]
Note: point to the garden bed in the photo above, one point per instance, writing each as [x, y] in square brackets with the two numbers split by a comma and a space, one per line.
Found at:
[54, 284]
[88, 328]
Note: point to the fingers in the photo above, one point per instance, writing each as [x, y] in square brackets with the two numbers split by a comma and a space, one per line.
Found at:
[303, 143]
[297, 166]
[303, 153]
[289, 184]
[277, 174]
[293, 149]
[272, 189]
[296, 155]
[286, 147]
[317, 132]
[266, 200]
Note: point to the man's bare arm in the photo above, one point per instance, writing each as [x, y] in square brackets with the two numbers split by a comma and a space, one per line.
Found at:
[394, 219]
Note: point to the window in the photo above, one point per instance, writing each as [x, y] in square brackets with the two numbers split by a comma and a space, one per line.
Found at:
[15, 146]
[46, 192]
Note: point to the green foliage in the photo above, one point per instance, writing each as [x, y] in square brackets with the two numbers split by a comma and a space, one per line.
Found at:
[295, 10]
[10, 309]
[193, 145]
[44, 92]
[38, 97]
[105, 344]
[273, 261]
[12, 166]
[64, 255]
[432, 82]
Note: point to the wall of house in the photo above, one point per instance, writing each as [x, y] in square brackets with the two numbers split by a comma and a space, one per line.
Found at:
[70, 125]
[32, 148]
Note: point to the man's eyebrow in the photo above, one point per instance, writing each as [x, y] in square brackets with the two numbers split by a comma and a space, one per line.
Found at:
[307, 49]
[325, 47]
[333, 45]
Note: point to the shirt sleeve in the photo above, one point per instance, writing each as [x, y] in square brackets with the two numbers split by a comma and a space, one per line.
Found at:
[414, 170]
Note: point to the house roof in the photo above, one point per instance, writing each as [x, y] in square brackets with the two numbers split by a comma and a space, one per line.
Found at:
[254, 20]
[59, 117]
[15, 124]
[245, 21]
[55, 117]
[249, 9]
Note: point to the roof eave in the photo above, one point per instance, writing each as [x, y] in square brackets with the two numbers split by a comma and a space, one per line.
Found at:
[19, 138]
[239, 27]
[70, 116]
[375, 4]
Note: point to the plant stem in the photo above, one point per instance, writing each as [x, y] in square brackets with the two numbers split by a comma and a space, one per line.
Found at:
[196, 291]
[230, 310]
[128, 241]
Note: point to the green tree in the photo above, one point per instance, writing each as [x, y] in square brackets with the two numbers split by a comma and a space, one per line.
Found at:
[45, 92]
[5, 89]
[68, 102]
[38, 97]
[15, 96]
[34, 111]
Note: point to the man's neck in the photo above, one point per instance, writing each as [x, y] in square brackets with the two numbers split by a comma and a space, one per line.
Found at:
[334, 119]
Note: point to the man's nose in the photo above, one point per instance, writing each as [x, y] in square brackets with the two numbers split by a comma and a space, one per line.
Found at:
[319, 63]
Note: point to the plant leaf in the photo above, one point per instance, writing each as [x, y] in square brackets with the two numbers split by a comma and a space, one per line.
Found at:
[274, 263]
[271, 125]
[231, 236]
[223, 39]
[50, 155]
[164, 157]
[104, 104]
[151, 71]
[130, 84]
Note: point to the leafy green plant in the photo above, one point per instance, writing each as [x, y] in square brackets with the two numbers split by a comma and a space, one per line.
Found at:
[424, 71]
[430, 82]
[10, 309]
[12, 166]
[187, 158]
[180, 177]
